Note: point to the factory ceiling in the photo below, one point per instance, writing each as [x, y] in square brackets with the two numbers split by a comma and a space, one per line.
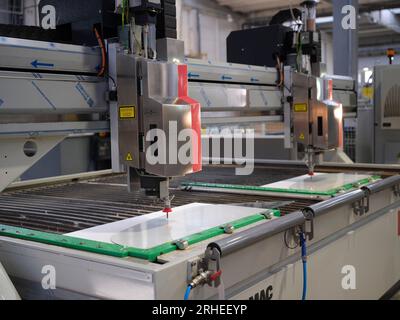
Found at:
[379, 23]
[269, 7]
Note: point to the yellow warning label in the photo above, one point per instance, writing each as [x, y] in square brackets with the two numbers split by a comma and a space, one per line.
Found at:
[302, 136]
[127, 112]
[129, 157]
[300, 107]
[368, 92]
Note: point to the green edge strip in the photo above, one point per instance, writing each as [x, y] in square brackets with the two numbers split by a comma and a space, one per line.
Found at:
[330, 193]
[117, 250]
[63, 241]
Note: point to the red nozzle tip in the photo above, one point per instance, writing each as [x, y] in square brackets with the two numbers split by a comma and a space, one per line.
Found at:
[311, 174]
[167, 210]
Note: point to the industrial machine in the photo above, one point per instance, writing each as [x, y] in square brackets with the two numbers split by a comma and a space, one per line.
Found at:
[315, 121]
[214, 234]
[381, 145]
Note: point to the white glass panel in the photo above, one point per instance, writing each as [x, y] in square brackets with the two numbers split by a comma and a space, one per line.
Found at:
[183, 222]
[320, 182]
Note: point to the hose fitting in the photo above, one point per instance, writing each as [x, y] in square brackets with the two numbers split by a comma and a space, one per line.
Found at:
[202, 279]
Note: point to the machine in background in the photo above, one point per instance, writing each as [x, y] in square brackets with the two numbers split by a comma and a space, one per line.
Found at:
[314, 123]
[381, 145]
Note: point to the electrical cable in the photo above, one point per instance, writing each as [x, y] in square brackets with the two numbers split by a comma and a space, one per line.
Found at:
[279, 66]
[187, 293]
[103, 53]
[304, 260]
[112, 79]
[102, 71]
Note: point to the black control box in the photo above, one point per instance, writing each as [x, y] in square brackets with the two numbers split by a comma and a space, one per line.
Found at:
[259, 46]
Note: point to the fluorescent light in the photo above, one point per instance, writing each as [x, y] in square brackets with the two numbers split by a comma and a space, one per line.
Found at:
[324, 19]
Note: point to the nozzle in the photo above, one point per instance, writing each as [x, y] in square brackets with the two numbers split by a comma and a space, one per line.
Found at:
[310, 161]
[167, 205]
[167, 211]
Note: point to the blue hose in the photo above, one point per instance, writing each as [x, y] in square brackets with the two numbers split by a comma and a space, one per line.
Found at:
[304, 259]
[187, 293]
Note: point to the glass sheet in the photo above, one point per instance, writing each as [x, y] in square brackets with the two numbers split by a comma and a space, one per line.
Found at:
[320, 182]
[183, 222]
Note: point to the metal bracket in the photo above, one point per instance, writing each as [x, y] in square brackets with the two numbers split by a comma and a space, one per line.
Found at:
[361, 207]
[229, 229]
[194, 267]
[182, 244]
[309, 229]
[309, 225]
[396, 190]
[268, 214]
[212, 257]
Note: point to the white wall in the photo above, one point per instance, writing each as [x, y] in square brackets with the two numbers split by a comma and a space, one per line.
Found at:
[204, 27]
[369, 62]
[30, 12]
[327, 51]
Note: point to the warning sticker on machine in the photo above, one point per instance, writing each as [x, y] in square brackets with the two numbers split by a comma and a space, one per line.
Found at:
[129, 157]
[300, 107]
[127, 112]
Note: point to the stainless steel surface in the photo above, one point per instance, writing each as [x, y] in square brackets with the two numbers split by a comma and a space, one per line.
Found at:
[240, 120]
[116, 164]
[52, 128]
[159, 107]
[40, 93]
[19, 153]
[171, 50]
[128, 129]
[214, 97]
[301, 109]
[210, 71]
[48, 56]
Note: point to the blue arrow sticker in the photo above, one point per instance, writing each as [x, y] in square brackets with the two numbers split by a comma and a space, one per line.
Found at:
[36, 64]
[193, 75]
[254, 80]
[224, 77]
[84, 94]
[1, 102]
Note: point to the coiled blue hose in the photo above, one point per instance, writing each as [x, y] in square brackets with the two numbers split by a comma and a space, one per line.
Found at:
[187, 293]
[304, 260]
